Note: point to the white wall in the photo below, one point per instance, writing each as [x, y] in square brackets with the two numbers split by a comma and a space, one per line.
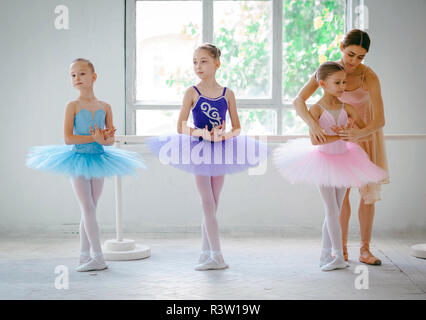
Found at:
[397, 29]
[35, 87]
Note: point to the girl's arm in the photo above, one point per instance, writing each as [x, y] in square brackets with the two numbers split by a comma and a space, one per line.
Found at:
[69, 137]
[182, 126]
[233, 114]
[378, 117]
[301, 109]
[315, 113]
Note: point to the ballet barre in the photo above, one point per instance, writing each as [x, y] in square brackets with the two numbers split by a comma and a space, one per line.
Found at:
[120, 248]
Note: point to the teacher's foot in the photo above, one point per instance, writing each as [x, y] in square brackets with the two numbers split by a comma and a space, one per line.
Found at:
[365, 256]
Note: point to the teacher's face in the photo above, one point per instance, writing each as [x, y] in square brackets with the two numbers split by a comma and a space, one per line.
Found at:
[352, 56]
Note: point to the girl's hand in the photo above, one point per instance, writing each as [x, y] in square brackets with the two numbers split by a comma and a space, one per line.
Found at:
[207, 135]
[109, 132]
[217, 138]
[337, 129]
[97, 134]
[109, 141]
[218, 132]
[218, 135]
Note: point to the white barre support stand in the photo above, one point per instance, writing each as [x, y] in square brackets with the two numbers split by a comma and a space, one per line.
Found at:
[119, 248]
[419, 250]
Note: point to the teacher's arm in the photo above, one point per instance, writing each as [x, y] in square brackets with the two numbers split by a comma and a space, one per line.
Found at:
[300, 105]
[377, 113]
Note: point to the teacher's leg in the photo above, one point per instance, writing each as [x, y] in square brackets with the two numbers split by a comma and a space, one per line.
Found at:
[345, 215]
[370, 193]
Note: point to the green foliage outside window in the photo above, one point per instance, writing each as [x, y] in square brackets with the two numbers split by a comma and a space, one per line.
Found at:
[312, 31]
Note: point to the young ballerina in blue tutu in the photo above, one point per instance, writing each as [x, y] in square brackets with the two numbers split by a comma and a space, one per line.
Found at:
[208, 150]
[86, 158]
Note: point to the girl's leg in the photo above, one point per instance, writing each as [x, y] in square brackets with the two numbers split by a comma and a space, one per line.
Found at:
[205, 247]
[329, 198]
[345, 214]
[326, 256]
[217, 185]
[366, 218]
[84, 244]
[83, 190]
[204, 187]
[96, 186]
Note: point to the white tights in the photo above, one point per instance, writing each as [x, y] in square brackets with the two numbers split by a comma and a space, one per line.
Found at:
[209, 189]
[88, 193]
[332, 198]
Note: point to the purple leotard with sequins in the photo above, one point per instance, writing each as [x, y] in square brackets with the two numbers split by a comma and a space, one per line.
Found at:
[208, 111]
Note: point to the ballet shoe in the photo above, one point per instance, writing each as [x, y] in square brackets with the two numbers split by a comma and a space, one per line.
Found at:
[92, 265]
[365, 256]
[84, 259]
[325, 258]
[337, 263]
[210, 264]
[204, 256]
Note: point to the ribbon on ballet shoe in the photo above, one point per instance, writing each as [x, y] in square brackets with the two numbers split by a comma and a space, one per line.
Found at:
[365, 256]
[345, 252]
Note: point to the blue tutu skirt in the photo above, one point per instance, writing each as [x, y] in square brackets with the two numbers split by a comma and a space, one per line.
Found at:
[206, 158]
[63, 159]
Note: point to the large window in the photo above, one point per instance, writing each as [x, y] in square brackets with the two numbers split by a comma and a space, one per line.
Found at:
[270, 48]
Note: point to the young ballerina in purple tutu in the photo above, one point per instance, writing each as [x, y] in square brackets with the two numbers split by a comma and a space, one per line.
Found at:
[334, 165]
[86, 158]
[208, 150]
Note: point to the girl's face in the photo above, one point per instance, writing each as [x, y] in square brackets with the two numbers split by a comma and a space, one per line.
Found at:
[81, 75]
[335, 83]
[205, 65]
[352, 56]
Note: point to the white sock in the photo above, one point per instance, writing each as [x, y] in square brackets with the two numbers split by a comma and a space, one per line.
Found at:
[204, 256]
[99, 258]
[84, 257]
[217, 257]
[326, 256]
[337, 263]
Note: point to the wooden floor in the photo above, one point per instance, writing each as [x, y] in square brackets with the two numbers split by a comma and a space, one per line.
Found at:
[261, 267]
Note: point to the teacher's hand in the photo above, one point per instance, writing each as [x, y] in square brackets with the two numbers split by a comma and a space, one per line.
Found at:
[350, 134]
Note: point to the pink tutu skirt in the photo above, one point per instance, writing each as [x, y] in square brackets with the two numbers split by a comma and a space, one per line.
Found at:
[299, 161]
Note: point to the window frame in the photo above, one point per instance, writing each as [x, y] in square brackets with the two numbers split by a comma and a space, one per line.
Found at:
[275, 103]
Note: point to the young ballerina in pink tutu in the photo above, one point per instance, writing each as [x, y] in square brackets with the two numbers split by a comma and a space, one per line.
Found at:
[333, 165]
